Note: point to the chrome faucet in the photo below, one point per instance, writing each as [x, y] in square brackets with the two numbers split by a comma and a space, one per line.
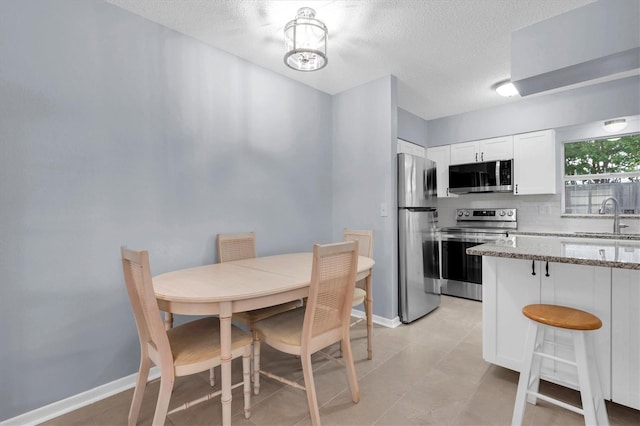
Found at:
[616, 214]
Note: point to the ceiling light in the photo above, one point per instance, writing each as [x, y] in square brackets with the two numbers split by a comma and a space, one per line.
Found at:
[305, 41]
[506, 89]
[615, 125]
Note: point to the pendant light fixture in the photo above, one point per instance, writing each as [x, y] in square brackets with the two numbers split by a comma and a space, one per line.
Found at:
[305, 41]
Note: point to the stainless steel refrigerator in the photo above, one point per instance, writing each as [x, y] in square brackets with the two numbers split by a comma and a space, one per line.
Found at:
[418, 253]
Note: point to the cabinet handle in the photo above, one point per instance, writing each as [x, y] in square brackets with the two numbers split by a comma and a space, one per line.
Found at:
[516, 188]
[447, 192]
[547, 269]
[476, 156]
[482, 156]
[533, 267]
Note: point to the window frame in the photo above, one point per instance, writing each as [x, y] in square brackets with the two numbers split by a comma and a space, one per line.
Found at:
[564, 178]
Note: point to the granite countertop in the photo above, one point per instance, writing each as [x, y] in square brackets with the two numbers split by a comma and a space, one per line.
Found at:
[607, 252]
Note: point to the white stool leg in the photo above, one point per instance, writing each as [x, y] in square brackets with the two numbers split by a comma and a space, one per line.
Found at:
[601, 408]
[525, 373]
[589, 381]
[536, 364]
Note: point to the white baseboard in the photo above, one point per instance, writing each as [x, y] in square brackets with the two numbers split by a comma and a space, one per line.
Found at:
[56, 409]
[80, 400]
[391, 323]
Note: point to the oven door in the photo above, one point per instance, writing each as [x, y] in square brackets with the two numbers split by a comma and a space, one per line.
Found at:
[462, 273]
[457, 264]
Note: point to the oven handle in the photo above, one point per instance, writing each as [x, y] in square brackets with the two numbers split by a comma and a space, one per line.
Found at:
[479, 240]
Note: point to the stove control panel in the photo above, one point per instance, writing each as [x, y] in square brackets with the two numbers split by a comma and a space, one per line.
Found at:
[486, 215]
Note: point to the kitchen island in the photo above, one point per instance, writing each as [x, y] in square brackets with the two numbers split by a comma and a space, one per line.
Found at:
[599, 275]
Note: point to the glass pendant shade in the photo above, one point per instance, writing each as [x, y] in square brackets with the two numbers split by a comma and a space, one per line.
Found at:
[305, 41]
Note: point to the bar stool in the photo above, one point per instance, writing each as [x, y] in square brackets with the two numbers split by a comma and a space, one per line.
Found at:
[578, 323]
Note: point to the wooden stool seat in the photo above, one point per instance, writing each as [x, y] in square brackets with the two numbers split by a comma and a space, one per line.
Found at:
[562, 317]
[580, 325]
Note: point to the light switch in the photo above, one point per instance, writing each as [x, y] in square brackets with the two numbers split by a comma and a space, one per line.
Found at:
[383, 210]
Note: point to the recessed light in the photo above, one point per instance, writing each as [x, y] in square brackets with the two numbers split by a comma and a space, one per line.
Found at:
[615, 125]
[506, 89]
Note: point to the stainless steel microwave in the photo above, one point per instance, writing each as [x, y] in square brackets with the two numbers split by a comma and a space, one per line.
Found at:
[487, 176]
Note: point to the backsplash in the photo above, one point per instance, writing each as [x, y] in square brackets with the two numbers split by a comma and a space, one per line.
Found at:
[536, 213]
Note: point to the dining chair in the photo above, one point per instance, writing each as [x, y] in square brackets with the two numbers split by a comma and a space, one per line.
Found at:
[323, 321]
[364, 238]
[187, 349]
[243, 246]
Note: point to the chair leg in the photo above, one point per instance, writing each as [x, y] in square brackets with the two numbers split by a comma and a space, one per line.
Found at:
[168, 320]
[525, 373]
[138, 393]
[256, 364]
[166, 386]
[351, 370]
[246, 375]
[368, 309]
[212, 377]
[310, 387]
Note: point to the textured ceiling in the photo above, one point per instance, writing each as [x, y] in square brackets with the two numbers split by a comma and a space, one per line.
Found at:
[446, 54]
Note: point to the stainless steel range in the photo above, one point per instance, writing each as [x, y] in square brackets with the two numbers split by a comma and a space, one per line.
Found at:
[462, 273]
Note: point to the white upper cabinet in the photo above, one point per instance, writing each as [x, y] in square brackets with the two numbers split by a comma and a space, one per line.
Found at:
[496, 148]
[466, 152]
[405, 147]
[534, 163]
[483, 150]
[442, 157]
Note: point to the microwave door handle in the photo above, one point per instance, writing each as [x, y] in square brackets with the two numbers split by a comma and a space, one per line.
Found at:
[498, 183]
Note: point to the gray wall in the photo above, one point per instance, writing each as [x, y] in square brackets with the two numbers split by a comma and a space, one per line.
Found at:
[364, 148]
[115, 130]
[412, 128]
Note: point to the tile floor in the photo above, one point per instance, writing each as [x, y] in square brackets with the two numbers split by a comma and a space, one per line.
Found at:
[430, 372]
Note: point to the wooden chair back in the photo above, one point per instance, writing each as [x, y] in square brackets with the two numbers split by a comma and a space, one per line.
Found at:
[236, 246]
[137, 277]
[364, 239]
[328, 309]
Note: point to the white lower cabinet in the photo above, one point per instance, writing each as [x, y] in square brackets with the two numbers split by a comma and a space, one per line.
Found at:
[506, 289]
[510, 284]
[625, 338]
[581, 287]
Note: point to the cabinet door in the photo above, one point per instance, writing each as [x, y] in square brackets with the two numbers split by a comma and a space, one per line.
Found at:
[405, 147]
[507, 286]
[496, 148]
[581, 287]
[462, 153]
[442, 156]
[534, 163]
[625, 338]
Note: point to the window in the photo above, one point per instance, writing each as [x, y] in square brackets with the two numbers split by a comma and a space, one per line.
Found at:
[599, 168]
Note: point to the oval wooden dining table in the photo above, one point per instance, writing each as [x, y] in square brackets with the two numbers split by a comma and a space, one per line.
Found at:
[241, 285]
